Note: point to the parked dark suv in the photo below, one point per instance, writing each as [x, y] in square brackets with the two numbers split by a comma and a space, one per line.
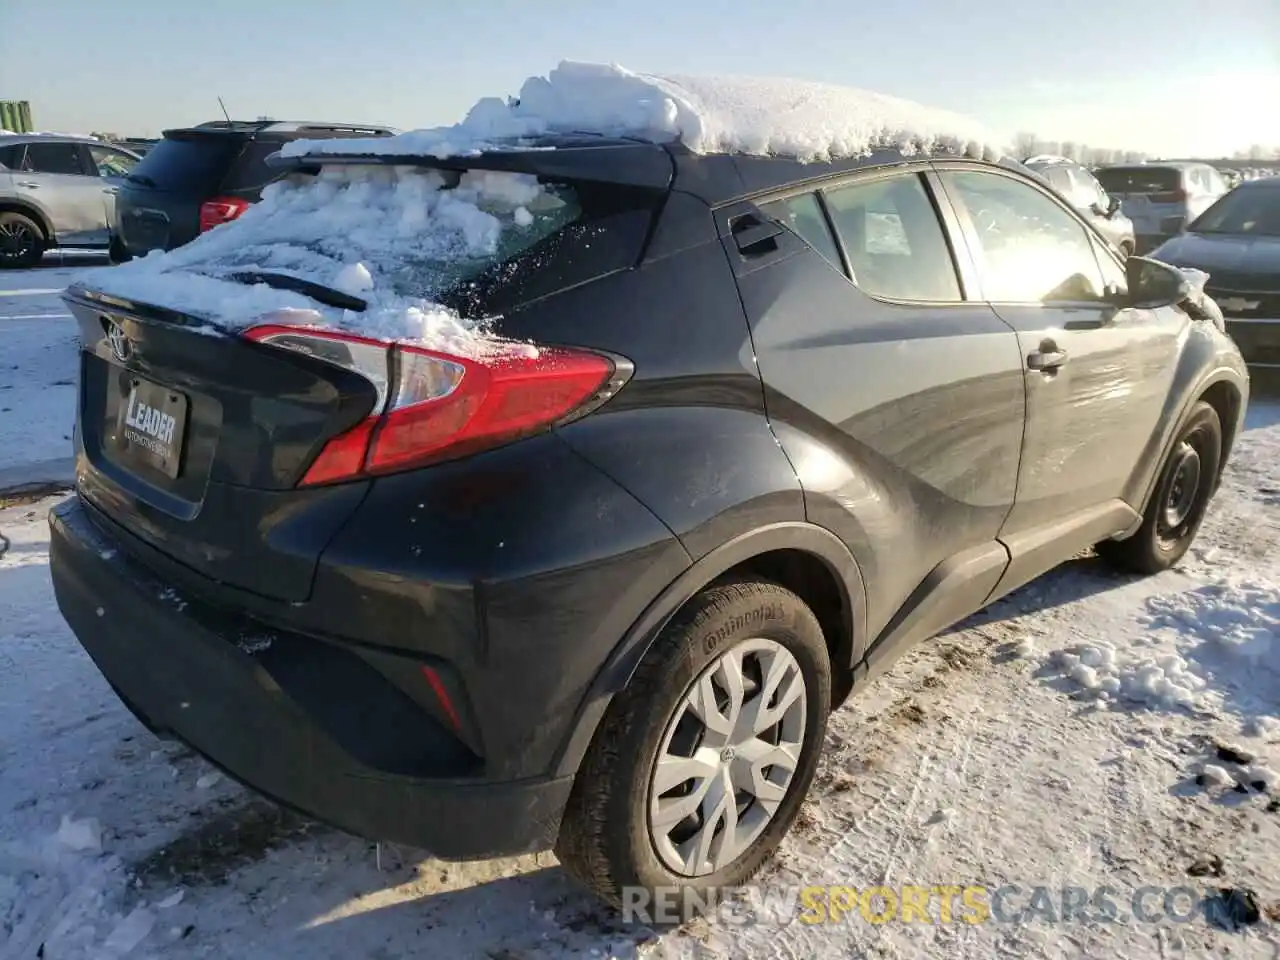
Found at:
[198, 177]
[761, 426]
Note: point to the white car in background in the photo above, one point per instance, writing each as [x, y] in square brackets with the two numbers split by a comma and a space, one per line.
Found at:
[57, 191]
[1162, 198]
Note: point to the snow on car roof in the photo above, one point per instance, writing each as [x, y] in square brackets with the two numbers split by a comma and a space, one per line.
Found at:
[764, 116]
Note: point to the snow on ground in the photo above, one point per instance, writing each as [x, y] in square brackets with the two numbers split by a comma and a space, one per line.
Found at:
[1090, 730]
[38, 370]
[708, 114]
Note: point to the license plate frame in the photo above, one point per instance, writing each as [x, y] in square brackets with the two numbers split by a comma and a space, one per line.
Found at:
[152, 426]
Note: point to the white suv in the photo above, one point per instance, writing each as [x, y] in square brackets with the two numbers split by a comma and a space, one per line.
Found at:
[57, 191]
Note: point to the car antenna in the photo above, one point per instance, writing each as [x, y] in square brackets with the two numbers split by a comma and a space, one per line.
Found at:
[224, 111]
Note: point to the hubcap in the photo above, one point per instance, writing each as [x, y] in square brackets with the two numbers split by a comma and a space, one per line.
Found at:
[16, 240]
[1183, 487]
[729, 754]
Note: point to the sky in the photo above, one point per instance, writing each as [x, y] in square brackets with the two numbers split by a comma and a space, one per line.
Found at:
[1173, 77]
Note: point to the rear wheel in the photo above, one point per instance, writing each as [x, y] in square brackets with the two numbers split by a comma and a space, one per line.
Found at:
[701, 764]
[22, 241]
[1181, 497]
[117, 252]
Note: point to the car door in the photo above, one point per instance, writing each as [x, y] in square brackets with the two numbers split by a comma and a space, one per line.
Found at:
[1097, 375]
[112, 167]
[56, 177]
[897, 396]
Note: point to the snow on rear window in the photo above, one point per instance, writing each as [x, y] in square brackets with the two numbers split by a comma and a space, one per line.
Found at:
[396, 237]
[799, 119]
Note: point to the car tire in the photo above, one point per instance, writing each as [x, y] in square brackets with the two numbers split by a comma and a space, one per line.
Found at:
[22, 242]
[1177, 507]
[117, 252]
[610, 842]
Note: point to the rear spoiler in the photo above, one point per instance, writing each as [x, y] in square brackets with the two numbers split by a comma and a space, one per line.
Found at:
[626, 163]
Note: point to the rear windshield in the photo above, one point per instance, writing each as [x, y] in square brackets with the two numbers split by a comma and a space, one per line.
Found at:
[1251, 211]
[195, 164]
[1140, 179]
[478, 242]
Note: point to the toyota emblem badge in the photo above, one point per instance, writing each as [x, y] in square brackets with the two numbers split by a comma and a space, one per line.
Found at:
[119, 342]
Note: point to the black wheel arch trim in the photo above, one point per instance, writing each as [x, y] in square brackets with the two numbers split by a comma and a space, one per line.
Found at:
[27, 210]
[622, 662]
[1230, 433]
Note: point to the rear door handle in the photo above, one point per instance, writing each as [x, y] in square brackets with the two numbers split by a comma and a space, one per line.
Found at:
[28, 184]
[753, 235]
[1047, 359]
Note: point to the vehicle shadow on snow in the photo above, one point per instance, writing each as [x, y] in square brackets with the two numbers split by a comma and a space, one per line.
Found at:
[309, 888]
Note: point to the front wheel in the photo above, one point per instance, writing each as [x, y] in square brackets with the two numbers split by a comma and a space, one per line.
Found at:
[1181, 497]
[701, 764]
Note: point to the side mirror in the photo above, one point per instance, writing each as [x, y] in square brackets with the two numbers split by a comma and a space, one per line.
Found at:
[1155, 284]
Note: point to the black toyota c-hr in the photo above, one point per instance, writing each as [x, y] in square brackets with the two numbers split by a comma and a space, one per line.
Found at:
[777, 421]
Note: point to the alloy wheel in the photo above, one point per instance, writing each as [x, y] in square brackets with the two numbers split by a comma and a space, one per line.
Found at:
[17, 240]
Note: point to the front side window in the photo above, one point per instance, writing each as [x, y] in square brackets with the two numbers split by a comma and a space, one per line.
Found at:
[54, 158]
[894, 240]
[111, 163]
[1031, 249]
[1089, 189]
[803, 216]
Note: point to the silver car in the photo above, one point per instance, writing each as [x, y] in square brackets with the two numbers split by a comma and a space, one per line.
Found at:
[1162, 198]
[57, 191]
[1083, 191]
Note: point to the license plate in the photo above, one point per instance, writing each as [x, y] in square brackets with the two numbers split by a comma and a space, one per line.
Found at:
[151, 426]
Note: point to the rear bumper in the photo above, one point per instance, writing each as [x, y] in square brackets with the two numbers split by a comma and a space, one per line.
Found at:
[292, 717]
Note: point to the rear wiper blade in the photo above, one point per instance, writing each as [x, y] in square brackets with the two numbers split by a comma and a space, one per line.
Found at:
[316, 291]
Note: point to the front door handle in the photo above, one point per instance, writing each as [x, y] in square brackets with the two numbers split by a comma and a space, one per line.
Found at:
[1047, 359]
[111, 190]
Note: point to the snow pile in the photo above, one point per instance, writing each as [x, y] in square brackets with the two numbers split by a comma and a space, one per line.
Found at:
[395, 237]
[762, 116]
[1162, 681]
[1214, 646]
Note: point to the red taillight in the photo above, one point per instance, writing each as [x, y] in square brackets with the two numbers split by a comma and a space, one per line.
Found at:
[220, 210]
[1168, 196]
[434, 406]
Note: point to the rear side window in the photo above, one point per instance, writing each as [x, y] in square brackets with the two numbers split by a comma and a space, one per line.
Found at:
[1140, 179]
[803, 214]
[11, 156]
[187, 164]
[894, 241]
[54, 158]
